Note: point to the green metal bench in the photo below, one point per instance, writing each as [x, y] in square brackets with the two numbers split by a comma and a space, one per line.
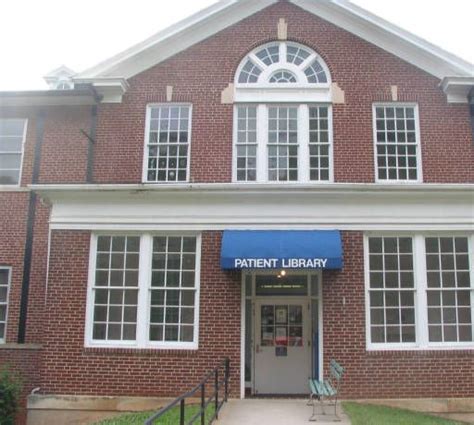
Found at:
[327, 389]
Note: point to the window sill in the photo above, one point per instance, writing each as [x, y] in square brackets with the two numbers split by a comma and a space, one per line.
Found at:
[14, 346]
[13, 188]
[141, 352]
[428, 350]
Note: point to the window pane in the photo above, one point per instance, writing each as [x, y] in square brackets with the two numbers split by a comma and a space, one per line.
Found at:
[391, 291]
[282, 144]
[168, 143]
[246, 148]
[115, 310]
[395, 131]
[319, 147]
[4, 283]
[449, 306]
[174, 306]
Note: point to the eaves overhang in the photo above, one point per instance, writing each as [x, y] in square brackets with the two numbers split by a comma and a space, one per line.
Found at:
[74, 97]
[457, 89]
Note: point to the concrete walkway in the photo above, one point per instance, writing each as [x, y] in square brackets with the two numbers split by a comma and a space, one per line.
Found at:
[276, 412]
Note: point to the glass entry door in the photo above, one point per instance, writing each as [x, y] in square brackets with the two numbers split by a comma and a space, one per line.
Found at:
[282, 346]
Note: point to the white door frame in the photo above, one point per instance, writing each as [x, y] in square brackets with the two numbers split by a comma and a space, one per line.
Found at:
[243, 312]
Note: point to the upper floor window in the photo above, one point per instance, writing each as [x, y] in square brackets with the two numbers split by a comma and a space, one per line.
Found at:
[397, 143]
[283, 143]
[4, 286]
[12, 140]
[283, 117]
[282, 62]
[168, 138]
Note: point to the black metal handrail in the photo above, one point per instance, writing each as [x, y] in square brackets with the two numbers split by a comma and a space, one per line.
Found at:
[205, 402]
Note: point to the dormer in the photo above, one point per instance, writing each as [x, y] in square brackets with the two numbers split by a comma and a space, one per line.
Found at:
[60, 78]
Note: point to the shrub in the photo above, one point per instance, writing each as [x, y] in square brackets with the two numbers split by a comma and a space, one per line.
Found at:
[10, 390]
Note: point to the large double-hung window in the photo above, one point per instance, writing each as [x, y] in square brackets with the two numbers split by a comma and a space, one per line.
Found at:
[12, 140]
[144, 291]
[168, 140]
[283, 143]
[420, 291]
[283, 116]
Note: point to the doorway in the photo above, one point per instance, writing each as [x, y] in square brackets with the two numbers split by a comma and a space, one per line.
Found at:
[281, 331]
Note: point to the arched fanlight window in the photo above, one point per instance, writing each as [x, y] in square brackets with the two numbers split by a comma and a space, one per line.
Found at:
[283, 77]
[282, 63]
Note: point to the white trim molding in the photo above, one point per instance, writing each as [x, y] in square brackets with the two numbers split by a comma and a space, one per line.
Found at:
[297, 206]
[457, 89]
[225, 13]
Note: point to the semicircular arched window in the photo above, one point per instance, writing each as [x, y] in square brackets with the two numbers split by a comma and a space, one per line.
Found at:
[282, 62]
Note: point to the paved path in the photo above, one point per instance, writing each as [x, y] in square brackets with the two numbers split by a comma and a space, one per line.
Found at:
[275, 412]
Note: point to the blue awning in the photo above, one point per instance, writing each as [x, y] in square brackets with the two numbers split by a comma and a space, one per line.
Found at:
[281, 249]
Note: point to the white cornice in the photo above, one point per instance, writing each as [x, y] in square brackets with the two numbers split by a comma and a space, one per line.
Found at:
[457, 89]
[200, 207]
[176, 38]
[225, 13]
[111, 89]
[389, 37]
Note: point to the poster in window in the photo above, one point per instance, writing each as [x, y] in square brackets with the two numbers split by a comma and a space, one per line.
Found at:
[281, 337]
[281, 315]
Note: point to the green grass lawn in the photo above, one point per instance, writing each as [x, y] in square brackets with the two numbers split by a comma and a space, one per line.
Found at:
[365, 414]
[170, 418]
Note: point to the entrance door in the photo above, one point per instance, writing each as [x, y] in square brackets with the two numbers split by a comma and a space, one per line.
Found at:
[282, 346]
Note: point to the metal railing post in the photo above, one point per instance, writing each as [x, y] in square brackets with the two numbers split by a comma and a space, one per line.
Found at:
[181, 416]
[203, 403]
[226, 379]
[216, 387]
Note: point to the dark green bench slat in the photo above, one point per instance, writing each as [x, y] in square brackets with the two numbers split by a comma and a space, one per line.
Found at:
[321, 388]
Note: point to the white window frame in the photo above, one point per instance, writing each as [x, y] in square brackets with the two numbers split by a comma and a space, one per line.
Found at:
[9, 282]
[149, 107]
[25, 127]
[303, 143]
[144, 295]
[420, 290]
[419, 165]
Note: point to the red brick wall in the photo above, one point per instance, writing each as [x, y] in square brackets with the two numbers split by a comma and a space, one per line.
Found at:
[69, 368]
[13, 213]
[362, 70]
[396, 374]
[24, 365]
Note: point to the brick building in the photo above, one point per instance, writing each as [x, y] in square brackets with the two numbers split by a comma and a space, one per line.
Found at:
[278, 182]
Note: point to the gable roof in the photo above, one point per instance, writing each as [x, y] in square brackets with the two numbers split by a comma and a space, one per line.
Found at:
[225, 13]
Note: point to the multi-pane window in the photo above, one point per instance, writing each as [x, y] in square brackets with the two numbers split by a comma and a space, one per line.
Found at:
[173, 289]
[319, 145]
[391, 290]
[144, 291]
[4, 285]
[283, 77]
[12, 135]
[397, 144]
[168, 143]
[250, 73]
[302, 61]
[246, 144]
[449, 289]
[420, 292]
[116, 288]
[283, 144]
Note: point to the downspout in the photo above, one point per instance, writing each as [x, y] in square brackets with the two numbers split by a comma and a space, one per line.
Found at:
[30, 225]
